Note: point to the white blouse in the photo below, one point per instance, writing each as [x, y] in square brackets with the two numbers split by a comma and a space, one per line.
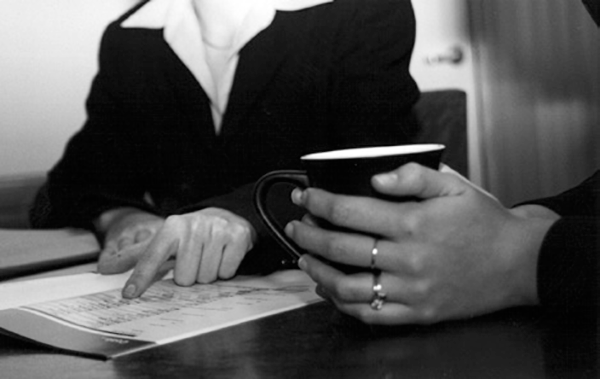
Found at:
[213, 63]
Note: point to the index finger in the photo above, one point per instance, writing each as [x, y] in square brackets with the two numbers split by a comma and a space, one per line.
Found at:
[160, 249]
[363, 214]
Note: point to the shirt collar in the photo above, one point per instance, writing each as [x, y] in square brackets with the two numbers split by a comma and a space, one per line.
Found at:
[159, 14]
[181, 29]
[182, 32]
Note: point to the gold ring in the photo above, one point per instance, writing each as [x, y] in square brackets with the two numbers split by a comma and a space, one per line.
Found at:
[374, 253]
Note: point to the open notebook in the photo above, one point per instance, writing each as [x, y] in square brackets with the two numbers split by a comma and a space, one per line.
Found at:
[24, 252]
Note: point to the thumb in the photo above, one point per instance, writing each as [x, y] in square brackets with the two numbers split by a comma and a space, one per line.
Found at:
[419, 181]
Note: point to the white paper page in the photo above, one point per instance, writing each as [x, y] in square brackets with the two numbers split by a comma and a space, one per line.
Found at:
[85, 313]
[71, 270]
[167, 312]
[19, 293]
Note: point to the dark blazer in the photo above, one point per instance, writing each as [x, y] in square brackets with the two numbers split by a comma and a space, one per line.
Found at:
[568, 266]
[331, 76]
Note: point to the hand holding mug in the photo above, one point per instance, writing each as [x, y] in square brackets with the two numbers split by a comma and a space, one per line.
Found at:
[456, 253]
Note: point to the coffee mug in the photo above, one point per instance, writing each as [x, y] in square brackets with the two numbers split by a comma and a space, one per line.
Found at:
[346, 172]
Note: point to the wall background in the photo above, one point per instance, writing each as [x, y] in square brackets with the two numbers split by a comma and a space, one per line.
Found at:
[48, 57]
[539, 80]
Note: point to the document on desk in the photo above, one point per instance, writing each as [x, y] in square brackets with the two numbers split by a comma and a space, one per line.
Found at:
[86, 314]
[29, 251]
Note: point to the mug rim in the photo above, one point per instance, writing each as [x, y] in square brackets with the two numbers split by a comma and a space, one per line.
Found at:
[373, 152]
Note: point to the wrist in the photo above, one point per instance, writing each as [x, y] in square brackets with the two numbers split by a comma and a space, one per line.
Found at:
[527, 234]
[109, 219]
[534, 210]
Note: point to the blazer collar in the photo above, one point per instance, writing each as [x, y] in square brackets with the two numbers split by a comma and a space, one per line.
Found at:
[182, 32]
[181, 29]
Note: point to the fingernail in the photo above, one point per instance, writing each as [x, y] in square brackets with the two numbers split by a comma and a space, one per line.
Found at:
[298, 196]
[289, 229]
[386, 179]
[129, 291]
[302, 263]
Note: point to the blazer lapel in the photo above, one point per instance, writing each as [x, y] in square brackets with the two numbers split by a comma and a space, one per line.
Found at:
[191, 99]
[259, 61]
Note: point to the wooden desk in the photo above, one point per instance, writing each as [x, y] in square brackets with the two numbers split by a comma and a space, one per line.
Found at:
[318, 341]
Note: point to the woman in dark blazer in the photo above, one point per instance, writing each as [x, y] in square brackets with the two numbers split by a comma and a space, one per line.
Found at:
[182, 119]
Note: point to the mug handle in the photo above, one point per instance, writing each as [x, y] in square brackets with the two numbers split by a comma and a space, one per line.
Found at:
[261, 192]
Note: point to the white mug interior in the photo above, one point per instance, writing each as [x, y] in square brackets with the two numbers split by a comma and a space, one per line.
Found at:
[373, 152]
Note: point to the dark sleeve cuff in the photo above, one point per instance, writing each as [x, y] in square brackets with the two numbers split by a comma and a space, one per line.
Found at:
[568, 269]
[78, 211]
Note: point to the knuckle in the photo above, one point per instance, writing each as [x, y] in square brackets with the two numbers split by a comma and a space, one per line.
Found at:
[415, 265]
[339, 291]
[220, 222]
[334, 249]
[346, 293]
[219, 227]
[338, 211]
[429, 315]
[144, 271]
[412, 221]
[411, 171]
[420, 292]
[239, 232]
[411, 175]
[173, 221]
[200, 221]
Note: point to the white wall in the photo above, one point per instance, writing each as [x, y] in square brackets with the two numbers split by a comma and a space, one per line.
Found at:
[540, 95]
[48, 57]
[443, 27]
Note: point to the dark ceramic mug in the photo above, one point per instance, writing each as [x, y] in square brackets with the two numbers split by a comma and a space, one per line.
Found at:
[346, 172]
